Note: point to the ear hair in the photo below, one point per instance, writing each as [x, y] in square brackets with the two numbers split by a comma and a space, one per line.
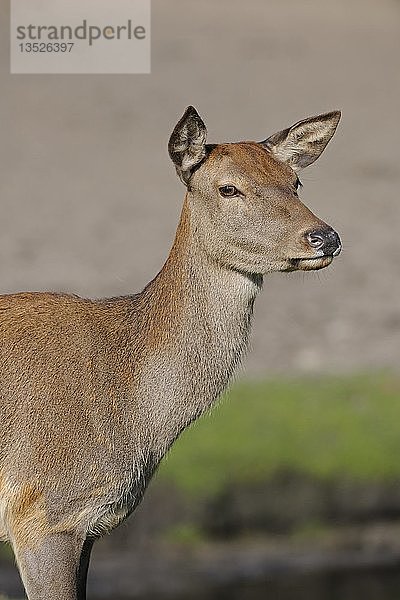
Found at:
[302, 143]
[187, 144]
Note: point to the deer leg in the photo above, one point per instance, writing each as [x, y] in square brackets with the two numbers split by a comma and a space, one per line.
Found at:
[55, 568]
[83, 569]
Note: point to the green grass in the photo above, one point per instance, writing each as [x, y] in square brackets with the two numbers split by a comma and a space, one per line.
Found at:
[185, 533]
[5, 554]
[326, 427]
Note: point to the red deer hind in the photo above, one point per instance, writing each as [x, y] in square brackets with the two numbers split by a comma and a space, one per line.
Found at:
[94, 392]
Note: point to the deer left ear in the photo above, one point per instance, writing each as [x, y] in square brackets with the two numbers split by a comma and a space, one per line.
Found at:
[187, 144]
[301, 144]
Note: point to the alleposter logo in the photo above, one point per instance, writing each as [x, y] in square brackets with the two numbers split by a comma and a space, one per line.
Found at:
[80, 36]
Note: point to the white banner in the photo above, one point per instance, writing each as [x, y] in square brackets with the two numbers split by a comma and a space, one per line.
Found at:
[80, 36]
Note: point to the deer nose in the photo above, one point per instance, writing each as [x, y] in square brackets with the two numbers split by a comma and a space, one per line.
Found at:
[326, 240]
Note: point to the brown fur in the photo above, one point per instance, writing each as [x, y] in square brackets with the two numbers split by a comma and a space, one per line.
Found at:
[26, 517]
[94, 392]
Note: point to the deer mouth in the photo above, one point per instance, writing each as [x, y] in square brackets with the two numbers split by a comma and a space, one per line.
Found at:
[310, 264]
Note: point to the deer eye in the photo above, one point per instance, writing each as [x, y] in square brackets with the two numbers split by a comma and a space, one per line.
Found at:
[228, 191]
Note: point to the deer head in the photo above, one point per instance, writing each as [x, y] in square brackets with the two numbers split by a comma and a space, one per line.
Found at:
[243, 197]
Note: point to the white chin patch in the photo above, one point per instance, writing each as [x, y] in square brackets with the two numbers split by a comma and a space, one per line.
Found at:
[313, 264]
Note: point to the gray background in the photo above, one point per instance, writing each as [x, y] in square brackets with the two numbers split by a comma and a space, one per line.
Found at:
[89, 198]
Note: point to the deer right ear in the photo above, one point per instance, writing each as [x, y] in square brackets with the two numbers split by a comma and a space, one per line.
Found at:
[187, 144]
[301, 144]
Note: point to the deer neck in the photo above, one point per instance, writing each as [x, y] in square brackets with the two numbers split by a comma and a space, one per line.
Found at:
[198, 317]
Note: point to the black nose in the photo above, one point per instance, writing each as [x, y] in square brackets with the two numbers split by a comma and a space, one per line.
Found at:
[326, 240]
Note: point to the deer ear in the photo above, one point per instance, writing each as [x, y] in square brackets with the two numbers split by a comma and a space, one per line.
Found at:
[187, 144]
[302, 144]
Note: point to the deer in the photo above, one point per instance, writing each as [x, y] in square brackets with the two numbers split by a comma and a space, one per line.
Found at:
[93, 393]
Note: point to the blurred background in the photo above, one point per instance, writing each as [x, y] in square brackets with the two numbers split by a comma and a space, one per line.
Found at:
[291, 488]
